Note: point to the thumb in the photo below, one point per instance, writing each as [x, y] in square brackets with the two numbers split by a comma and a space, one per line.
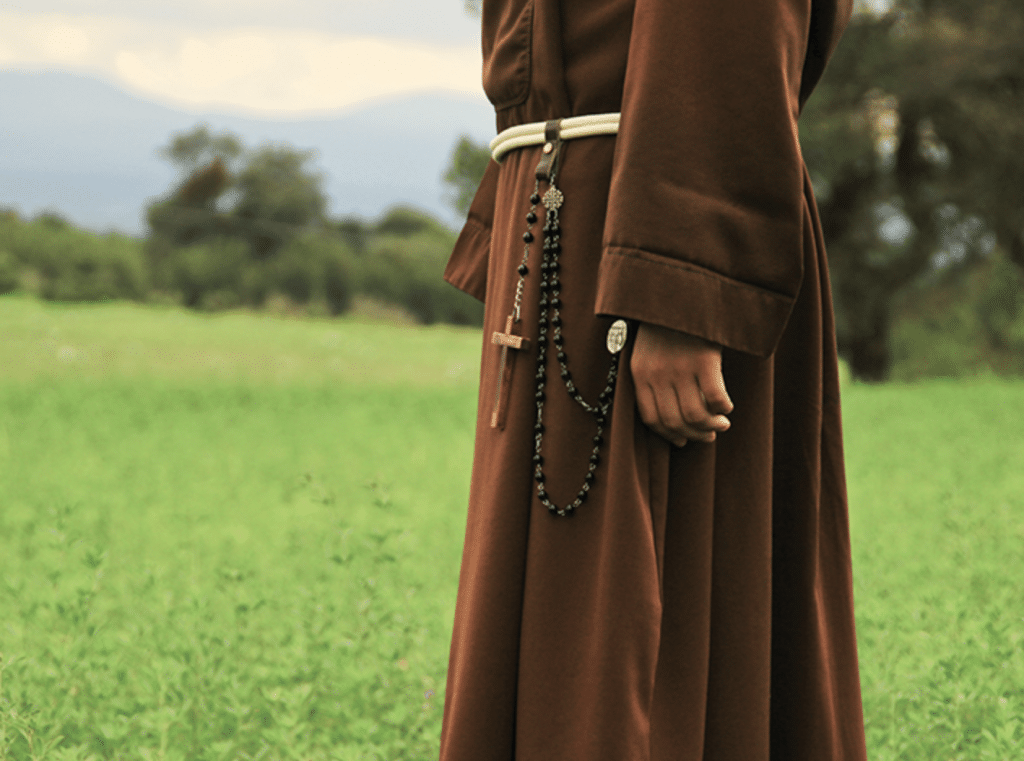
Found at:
[712, 386]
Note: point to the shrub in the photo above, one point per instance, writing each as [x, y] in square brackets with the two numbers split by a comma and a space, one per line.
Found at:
[203, 269]
[398, 260]
[405, 222]
[962, 326]
[408, 271]
[10, 272]
[1000, 304]
[75, 265]
[316, 267]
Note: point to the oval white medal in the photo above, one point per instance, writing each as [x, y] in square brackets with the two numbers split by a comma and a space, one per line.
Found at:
[617, 336]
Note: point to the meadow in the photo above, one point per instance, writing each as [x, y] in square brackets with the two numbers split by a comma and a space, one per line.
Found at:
[237, 536]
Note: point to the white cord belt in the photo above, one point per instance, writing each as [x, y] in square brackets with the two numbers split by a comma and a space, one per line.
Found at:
[573, 127]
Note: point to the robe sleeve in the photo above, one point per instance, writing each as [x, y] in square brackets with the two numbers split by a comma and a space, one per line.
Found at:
[705, 213]
[467, 266]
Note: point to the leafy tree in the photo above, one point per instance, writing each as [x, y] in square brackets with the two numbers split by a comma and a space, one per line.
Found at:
[911, 142]
[465, 170]
[189, 151]
[278, 196]
[265, 196]
[216, 237]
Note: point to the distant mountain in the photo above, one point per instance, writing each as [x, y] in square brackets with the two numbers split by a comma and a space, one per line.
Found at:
[87, 150]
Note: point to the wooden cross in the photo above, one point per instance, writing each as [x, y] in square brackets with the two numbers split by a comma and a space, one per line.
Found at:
[507, 340]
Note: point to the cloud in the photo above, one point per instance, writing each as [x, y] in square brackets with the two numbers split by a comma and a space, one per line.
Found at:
[252, 70]
[441, 21]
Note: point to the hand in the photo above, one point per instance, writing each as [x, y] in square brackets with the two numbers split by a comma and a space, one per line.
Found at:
[680, 391]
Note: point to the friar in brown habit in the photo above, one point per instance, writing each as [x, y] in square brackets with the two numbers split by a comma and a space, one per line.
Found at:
[624, 597]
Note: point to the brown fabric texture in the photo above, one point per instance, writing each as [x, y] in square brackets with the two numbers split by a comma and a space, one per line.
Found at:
[699, 606]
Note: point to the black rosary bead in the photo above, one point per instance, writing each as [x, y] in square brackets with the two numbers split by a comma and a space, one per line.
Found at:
[535, 199]
[531, 217]
[523, 270]
[528, 236]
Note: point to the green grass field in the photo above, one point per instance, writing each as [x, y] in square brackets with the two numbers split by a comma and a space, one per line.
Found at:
[237, 536]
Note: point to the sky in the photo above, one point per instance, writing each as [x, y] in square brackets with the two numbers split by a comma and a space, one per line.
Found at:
[259, 58]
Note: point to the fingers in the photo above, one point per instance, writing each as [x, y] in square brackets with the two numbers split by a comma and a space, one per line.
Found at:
[652, 415]
[680, 389]
[694, 419]
[678, 415]
[671, 423]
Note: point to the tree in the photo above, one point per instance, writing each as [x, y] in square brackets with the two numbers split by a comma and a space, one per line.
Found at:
[278, 196]
[265, 197]
[191, 150]
[465, 170]
[911, 140]
[206, 164]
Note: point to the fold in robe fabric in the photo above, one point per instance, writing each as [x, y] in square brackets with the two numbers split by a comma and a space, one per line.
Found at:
[699, 605]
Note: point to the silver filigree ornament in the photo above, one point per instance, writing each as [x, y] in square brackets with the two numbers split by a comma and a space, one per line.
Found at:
[553, 199]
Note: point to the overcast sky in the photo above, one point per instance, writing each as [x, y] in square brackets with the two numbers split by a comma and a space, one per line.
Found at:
[266, 58]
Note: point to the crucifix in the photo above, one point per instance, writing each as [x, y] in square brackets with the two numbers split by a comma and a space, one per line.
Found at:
[507, 340]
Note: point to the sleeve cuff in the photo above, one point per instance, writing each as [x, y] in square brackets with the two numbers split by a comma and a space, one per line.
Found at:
[639, 285]
[467, 267]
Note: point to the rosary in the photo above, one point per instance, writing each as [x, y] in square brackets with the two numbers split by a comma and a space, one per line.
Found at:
[550, 317]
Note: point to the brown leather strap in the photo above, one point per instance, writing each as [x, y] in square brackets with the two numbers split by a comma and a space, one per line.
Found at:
[549, 155]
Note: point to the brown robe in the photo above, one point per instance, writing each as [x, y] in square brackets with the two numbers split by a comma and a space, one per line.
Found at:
[699, 605]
